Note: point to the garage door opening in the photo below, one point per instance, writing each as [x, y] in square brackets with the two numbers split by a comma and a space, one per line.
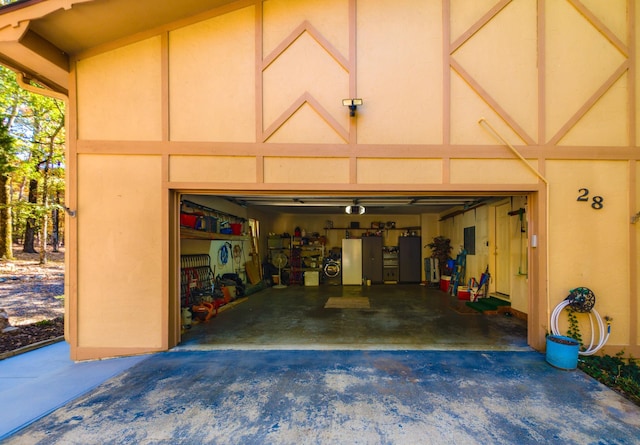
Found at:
[298, 271]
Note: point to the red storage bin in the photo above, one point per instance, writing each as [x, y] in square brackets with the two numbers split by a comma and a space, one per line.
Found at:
[444, 283]
[464, 293]
[188, 220]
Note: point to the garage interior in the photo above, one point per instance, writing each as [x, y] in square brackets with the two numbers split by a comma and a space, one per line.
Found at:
[311, 271]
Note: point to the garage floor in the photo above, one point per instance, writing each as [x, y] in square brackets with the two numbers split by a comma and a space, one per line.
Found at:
[400, 317]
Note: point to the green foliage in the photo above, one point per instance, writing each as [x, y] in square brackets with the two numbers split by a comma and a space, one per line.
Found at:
[43, 323]
[574, 329]
[37, 125]
[441, 249]
[616, 372]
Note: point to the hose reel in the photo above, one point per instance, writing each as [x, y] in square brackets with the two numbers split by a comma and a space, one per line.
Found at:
[582, 299]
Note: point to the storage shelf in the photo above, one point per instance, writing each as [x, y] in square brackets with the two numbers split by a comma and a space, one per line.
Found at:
[370, 228]
[202, 235]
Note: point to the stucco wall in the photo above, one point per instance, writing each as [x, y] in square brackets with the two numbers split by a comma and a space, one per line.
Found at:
[120, 252]
[251, 99]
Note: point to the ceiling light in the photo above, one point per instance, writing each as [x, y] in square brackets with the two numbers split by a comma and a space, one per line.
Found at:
[354, 210]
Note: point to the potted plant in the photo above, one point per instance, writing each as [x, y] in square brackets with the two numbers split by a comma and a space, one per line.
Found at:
[441, 249]
[562, 352]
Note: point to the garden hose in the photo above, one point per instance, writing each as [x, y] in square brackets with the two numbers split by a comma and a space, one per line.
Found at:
[583, 300]
[223, 254]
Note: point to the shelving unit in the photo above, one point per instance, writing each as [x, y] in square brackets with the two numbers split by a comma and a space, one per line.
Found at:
[186, 233]
[301, 258]
[369, 229]
[305, 258]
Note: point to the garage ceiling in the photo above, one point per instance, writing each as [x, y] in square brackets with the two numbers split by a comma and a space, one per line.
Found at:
[374, 204]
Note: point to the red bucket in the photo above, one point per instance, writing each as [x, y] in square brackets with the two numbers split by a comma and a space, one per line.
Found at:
[236, 228]
[444, 283]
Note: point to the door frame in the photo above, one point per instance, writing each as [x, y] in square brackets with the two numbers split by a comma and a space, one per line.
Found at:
[537, 216]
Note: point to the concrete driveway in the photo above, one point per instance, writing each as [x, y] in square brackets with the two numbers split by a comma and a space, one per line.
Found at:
[346, 397]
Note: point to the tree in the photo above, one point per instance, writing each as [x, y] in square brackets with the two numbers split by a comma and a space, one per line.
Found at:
[36, 123]
[6, 166]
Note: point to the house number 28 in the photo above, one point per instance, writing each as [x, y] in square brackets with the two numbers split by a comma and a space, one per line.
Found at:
[596, 201]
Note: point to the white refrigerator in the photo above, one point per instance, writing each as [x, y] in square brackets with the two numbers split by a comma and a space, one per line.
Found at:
[352, 261]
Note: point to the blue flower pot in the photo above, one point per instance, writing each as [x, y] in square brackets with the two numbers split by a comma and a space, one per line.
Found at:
[562, 352]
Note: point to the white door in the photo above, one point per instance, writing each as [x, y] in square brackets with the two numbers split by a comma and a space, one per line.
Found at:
[502, 250]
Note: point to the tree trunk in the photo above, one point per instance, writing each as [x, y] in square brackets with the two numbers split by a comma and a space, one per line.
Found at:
[6, 242]
[55, 231]
[30, 229]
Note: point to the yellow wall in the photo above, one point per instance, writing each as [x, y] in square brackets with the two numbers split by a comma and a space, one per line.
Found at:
[406, 110]
[211, 76]
[119, 252]
[119, 94]
[482, 219]
[590, 247]
[250, 100]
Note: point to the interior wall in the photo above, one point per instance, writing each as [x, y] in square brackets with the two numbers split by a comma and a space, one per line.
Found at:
[286, 223]
[482, 219]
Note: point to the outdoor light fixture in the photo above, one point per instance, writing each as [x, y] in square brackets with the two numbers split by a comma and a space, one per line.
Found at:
[354, 210]
[352, 104]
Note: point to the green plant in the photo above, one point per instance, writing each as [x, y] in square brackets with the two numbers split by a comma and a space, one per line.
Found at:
[441, 249]
[618, 373]
[43, 323]
[574, 329]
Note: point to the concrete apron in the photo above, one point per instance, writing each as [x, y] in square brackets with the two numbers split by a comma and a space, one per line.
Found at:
[299, 397]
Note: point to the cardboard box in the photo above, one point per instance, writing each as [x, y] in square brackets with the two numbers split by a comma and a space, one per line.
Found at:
[312, 278]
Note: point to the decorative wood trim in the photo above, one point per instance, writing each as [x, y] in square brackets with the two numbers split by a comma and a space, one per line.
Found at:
[306, 98]
[341, 189]
[601, 27]
[164, 85]
[259, 31]
[542, 69]
[446, 170]
[177, 148]
[165, 229]
[259, 169]
[589, 103]
[295, 35]
[446, 72]
[477, 26]
[634, 290]
[353, 170]
[632, 74]
[486, 97]
[71, 224]
[352, 69]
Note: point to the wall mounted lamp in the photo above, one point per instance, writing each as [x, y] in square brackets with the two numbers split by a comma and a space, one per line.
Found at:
[353, 104]
[354, 210]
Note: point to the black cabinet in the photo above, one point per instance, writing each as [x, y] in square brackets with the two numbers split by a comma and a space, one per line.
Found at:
[409, 253]
[372, 258]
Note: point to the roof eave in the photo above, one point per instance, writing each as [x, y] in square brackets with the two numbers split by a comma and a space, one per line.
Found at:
[24, 51]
